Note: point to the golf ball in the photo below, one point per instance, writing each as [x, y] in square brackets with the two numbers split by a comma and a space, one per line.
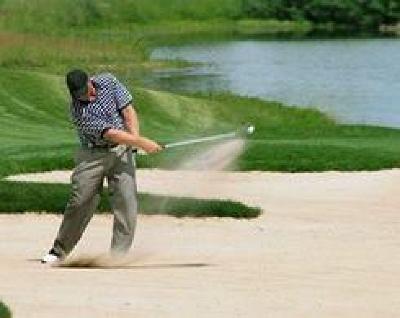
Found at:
[250, 129]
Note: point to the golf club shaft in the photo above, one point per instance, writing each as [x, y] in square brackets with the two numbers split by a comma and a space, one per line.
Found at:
[246, 130]
[200, 140]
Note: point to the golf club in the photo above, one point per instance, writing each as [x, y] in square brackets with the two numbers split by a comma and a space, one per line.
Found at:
[248, 129]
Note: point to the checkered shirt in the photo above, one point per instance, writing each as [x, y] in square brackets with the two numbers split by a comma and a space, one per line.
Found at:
[94, 118]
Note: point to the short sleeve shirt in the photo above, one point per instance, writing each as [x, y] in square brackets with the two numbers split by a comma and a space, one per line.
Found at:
[94, 118]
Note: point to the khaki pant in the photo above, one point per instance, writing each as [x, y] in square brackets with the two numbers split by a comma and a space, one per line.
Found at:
[93, 165]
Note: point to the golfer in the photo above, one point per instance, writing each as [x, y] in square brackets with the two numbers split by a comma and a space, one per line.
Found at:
[107, 125]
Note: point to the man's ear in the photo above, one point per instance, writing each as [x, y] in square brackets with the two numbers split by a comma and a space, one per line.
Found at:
[91, 86]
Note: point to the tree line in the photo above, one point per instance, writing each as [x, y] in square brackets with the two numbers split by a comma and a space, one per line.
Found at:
[355, 13]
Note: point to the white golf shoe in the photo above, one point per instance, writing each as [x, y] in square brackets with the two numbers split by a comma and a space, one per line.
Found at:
[51, 258]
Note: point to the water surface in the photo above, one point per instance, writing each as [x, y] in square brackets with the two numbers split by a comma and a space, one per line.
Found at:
[354, 80]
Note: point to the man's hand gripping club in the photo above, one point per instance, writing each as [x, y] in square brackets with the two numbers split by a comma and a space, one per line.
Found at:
[132, 139]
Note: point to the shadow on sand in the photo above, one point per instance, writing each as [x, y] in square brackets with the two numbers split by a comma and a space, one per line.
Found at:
[107, 263]
[144, 266]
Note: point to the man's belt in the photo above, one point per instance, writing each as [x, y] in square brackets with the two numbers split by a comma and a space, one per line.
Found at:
[104, 146]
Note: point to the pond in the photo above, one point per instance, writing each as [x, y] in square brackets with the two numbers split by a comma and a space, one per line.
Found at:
[353, 80]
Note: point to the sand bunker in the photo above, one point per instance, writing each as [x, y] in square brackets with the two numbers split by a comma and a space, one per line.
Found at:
[327, 245]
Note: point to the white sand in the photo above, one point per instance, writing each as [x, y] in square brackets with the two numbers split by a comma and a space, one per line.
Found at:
[327, 245]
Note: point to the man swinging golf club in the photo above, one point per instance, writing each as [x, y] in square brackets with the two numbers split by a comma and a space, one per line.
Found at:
[103, 113]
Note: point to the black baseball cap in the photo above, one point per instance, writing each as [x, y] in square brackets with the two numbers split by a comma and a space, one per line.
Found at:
[77, 82]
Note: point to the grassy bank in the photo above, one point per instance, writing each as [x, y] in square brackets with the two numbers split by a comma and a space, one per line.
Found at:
[123, 49]
[22, 197]
[116, 36]
[35, 16]
[30, 15]
[35, 132]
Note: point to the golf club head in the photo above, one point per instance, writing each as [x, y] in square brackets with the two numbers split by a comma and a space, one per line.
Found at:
[247, 129]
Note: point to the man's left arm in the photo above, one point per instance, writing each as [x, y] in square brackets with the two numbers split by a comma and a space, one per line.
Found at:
[130, 119]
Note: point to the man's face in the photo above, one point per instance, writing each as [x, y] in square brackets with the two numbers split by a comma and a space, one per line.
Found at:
[90, 96]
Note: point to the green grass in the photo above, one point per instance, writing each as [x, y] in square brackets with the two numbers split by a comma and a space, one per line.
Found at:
[37, 15]
[35, 132]
[56, 54]
[120, 48]
[23, 197]
[109, 12]
[286, 139]
[113, 35]
[4, 311]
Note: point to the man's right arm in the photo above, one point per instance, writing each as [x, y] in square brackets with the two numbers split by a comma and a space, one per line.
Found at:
[124, 138]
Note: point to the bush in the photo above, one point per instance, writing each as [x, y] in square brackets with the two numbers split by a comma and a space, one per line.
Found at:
[4, 311]
[356, 13]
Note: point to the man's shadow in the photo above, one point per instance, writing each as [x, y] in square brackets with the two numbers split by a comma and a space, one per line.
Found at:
[98, 263]
[144, 266]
